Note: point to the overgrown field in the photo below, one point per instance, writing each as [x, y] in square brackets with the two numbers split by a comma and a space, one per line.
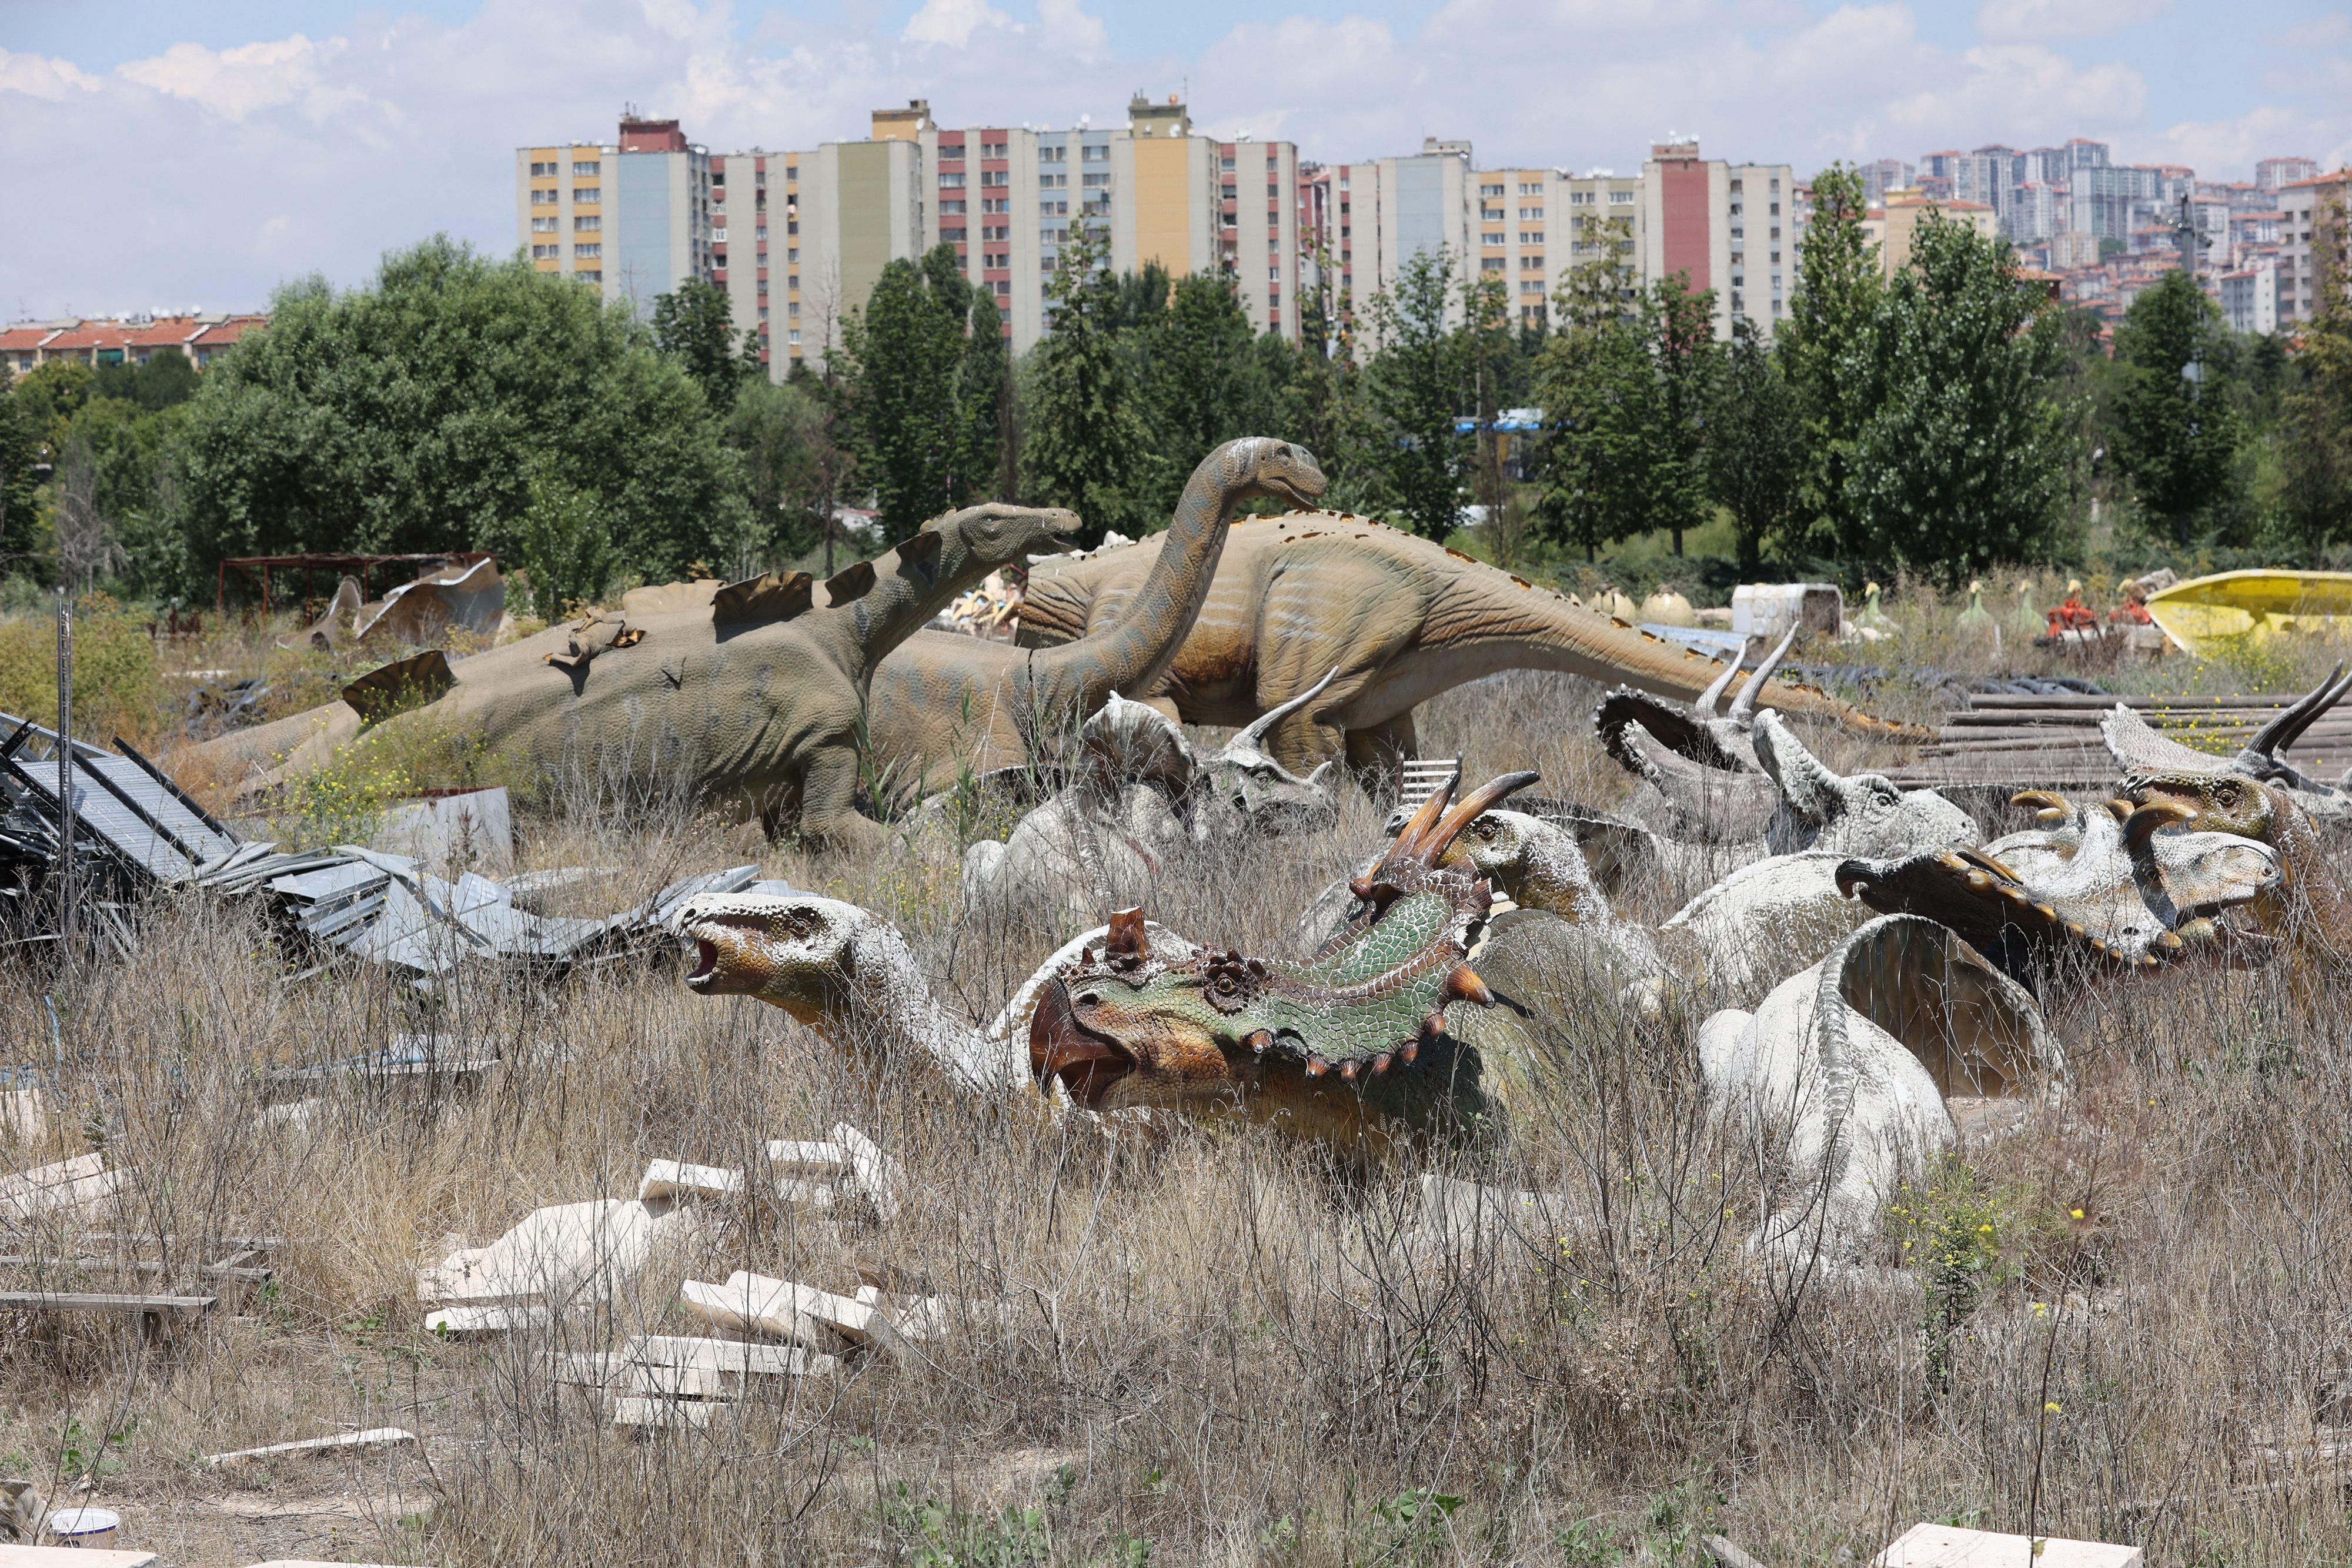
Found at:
[1221, 1348]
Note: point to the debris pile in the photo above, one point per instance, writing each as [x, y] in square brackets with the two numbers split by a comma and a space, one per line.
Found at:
[135, 831]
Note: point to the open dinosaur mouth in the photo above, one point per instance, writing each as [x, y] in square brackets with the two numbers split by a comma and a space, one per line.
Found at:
[705, 963]
[1089, 1063]
[719, 947]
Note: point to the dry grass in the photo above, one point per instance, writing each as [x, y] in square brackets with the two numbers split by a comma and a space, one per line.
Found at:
[1224, 1350]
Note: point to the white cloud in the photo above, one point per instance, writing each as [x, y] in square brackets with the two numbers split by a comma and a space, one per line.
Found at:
[2008, 21]
[233, 83]
[951, 22]
[273, 158]
[1068, 26]
[38, 76]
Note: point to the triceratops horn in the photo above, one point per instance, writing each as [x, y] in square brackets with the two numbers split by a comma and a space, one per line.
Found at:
[1251, 734]
[1709, 698]
[2299, 716]
[1472, 805]
[2144, 823]
[1315, 779]
[1744, 705]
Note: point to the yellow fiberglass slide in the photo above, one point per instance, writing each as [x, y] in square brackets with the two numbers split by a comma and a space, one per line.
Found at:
[2232, 605]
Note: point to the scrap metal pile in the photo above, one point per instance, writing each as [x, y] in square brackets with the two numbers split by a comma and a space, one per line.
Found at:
[136, 833]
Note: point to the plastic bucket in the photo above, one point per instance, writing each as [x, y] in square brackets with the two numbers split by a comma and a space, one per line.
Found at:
[84, 1526]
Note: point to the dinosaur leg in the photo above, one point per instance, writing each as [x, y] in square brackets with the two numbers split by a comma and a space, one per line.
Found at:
[1376, 754]
[828, 794]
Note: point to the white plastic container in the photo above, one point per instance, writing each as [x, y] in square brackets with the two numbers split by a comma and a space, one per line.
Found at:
[85, 1527]
[1766, 610]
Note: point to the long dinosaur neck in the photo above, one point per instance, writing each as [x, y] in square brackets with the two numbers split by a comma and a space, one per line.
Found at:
[894, 1016]
[1131, 657]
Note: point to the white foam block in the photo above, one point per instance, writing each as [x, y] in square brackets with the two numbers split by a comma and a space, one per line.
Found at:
[374, 1437]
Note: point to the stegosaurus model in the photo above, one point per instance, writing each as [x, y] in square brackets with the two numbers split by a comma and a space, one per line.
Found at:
[1313, 1045]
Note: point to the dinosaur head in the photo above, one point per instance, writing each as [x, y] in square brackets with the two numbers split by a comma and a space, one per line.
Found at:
[1531, 862]
[997, 532]
[1857, 814]
[1264, 469]
[1243, 779]
[796, 951]
[2223, 802]
[1124, 1025]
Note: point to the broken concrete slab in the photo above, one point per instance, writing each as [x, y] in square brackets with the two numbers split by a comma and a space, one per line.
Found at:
[568, 1252]
[64, 1188]
[807, 1159]
[878, 1174]
[677, 1179]
[746, 1308]
[72, 1557]
[1949, 1546]
[374, 1440]
[736, 1358]
[458, 1322]
[24, 1116]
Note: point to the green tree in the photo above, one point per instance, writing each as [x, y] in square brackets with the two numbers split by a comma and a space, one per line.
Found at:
[901, 354]
[50, 395]
[1413, 389]
[1599, 391]
[1197, 384]
[2177, 427]
[1084, 439]
[777, 434]
[1756, 444]
[1679, 328]
[694, 326]
[20, 459]
[987, 462]
[410, 416]
[563, 542]
[166, 379]
[2316, 488]
[1826, 351]
[1963, 459]
[1485, 352]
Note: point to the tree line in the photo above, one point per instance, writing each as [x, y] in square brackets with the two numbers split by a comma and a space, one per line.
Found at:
[1940, 418]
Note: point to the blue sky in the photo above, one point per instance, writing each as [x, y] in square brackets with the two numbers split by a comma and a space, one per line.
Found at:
[181, 156]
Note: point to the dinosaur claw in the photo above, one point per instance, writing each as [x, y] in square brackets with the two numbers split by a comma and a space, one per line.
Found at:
[1408, 1050]
[1380, 1063]
[1465, 986]
[1317, 1067]
[1258, 1040]
[1432, 1026]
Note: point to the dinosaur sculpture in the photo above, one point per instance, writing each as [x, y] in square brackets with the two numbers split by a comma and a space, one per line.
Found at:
[1351, 1047]
[755, 700]
[1864, 1057]
[943, 701]
[1141, 794]
[2140, 751]
[1402, 618]
[2307, 904]
[2108, 893]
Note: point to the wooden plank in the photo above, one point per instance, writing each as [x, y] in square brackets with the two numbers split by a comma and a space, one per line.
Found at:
[374, 1437]
[79, 1302]
[133, 1266]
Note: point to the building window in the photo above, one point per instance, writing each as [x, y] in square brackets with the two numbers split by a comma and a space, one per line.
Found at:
[1490, 190]
[1091, 182]
[1735, 186]
[1491, 264]
[588, 224]
[587, 251]
[996, 177]
[791, 337]
[951, 209]
[992, 149]
[1530, 214]
[1580, 198]
[1227, 163]
[792, 309]
[546, 252]
[1620, 198]
[1531, 237]
[1004, 289]
[1531, 263]
[997, 204]
[1490, 240]
[546, 198]
[542, 225]
[595, 277]
[951, 236]
[1098, 154]
[1531, 286]
[951, 181]
[1053, 154]
[587, 195]
[545, 171]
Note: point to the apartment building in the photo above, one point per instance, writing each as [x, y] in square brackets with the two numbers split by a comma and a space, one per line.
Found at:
[202, 336]
[2035, 212]
[1516, 210]
[1731, 227]
[1894, 226]
[632, 216]
[2250, 297]
[1259, 239]
[753, 222]
[2312, 214]
[1881, 175]
[1423, 206]
[2277, 174]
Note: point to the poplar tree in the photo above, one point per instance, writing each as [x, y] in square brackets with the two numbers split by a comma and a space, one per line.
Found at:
[1083, 443]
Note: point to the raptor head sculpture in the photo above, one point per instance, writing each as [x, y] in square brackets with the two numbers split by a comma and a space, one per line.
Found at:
[2133, 890]
[1858, 814]
[1355, 1038]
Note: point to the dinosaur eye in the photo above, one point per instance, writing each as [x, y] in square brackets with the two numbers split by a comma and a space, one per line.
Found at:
[1225, 987]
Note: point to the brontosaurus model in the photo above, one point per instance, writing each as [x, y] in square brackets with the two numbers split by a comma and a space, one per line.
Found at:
[1401, 619]
[753, 701]
[944, 702]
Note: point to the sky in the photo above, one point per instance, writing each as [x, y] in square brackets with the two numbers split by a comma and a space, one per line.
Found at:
[160, 155]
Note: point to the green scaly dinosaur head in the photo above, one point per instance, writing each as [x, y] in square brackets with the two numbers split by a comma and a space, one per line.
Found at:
[1316, 1045]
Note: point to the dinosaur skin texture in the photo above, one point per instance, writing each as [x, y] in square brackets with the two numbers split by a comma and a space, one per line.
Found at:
[1351, 1047]
[759, 711]
[1402, 619]
[941, 700]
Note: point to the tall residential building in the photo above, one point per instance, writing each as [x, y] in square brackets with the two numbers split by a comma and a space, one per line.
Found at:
[862, 206]
[753, 222]
[633, 216]
[1515, 208]
[1424, 205]
[1985, 177]
[1893, 226]
[2250, 297]
[2036, 212]
[2276, 173]
[2111, 200]
[1881, 175]
[1730, 227]
[2314, 214]
[1262, 257]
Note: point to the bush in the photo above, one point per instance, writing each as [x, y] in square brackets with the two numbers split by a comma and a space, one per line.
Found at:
[118, 686]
